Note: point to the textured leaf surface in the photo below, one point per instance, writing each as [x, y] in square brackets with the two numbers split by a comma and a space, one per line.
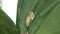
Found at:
[47, 20]
[21, 19]
[47, 16]
[6, 24]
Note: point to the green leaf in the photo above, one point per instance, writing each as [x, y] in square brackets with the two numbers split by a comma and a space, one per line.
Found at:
[21, 19]
[46, 20]
[6, 24]
[24, 7]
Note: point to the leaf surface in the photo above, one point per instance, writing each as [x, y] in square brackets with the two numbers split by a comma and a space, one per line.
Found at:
[7, 26]
[47, 16]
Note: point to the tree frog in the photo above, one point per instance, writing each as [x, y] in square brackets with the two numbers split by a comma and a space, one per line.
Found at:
[29, 18]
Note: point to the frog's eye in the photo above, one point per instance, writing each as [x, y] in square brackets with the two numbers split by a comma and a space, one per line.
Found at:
[32, 15]
[29, 18]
